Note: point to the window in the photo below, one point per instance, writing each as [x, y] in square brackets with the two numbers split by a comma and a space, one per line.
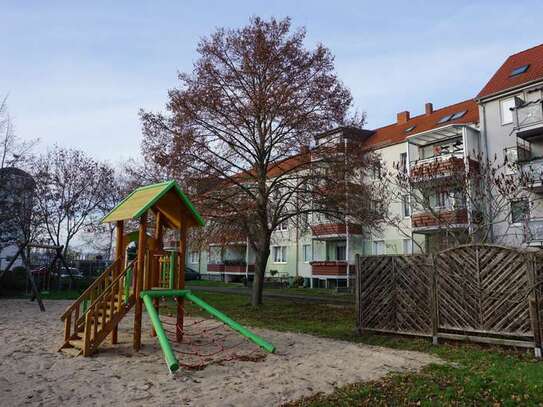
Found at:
[520, 210]
[519, 70]
[410, 128]
[307, 253]
[407, 246]
[444, 119]
[406, 206]
[506, 105]
[279, 254]
[283, 225]
[378, 247]
[193, 257]
[341, 252]
[458, 115]
[403, 162]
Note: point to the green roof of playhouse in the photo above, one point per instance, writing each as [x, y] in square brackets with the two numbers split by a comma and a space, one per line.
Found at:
[165, 198]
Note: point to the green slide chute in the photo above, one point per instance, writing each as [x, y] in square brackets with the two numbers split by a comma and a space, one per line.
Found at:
[171, 361]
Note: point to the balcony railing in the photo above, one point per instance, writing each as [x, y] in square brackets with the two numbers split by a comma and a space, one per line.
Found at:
[440, 167]
[215, 268]
[233, 268]
[444, 218]
[330, 268]
[332, 229]
[533, 171]
[529, 120]
[534, 231]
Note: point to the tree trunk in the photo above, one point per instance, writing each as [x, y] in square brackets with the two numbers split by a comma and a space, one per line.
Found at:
[261, 261]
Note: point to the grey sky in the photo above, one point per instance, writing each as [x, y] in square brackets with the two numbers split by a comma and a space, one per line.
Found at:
[78, 72]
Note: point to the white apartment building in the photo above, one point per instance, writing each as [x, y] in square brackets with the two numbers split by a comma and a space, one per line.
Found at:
[506, 118]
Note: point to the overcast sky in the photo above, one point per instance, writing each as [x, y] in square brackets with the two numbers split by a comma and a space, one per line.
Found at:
[78, 72]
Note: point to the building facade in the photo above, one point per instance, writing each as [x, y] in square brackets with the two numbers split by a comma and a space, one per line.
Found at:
[504, 120]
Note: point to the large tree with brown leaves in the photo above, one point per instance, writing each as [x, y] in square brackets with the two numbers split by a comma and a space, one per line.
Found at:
[238, 128]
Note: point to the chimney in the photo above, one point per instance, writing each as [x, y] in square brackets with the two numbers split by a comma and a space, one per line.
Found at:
[402, 117]
[429, 108]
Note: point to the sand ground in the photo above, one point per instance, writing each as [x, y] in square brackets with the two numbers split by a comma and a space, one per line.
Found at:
[33, 373]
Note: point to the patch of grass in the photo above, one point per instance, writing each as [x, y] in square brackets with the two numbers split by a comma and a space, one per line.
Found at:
[473, 374]
[312, 292]
[212, 283]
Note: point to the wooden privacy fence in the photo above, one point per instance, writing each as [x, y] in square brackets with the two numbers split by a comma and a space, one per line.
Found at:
[481, 293]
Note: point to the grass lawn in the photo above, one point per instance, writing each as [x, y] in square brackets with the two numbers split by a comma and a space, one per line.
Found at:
[474, 375]
[312, 292]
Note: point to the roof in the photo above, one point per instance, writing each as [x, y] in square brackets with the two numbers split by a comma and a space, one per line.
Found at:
[165, 197]
[396, 133]
[347, 132]
[502, 79]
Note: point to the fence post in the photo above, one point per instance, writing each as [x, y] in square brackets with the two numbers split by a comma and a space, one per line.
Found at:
[533, 303]
[434, 300]
[357, 293]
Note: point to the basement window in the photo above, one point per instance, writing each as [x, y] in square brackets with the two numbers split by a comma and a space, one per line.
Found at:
[519, 70]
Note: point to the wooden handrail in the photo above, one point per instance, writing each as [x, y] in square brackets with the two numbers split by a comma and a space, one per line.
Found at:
[89, 289]
[108, 288]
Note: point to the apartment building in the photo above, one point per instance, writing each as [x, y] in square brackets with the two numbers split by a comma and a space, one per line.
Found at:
[510, 108]
[504, 119]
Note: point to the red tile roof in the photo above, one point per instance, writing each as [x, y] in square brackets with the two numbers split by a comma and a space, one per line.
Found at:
[395, 133]
[502, 79]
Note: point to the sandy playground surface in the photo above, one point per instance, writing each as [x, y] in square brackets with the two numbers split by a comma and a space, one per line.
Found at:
[33, 373]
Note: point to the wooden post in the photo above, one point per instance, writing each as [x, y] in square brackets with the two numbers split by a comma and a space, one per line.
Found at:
[180, 283]
[533, 303]
[156, 263]
[433, 299]
[119, 254]
[357, 292]
[138, 276]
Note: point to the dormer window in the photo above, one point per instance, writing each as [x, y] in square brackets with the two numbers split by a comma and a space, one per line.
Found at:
[458, 115]
[445, 119]
[519, 70]
[410, 129]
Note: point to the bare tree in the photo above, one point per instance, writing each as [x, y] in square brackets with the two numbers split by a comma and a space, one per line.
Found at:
[70, 189]
[13, 152]
[238, 130]
[100, 236]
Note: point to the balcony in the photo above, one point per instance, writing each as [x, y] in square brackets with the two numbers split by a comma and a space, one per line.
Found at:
[239, 268]
[441, 167]
[334, 230]
[533, 170]
[529, 120]
[230, 268]
[215, 268]
[331, 268]
[446, 218]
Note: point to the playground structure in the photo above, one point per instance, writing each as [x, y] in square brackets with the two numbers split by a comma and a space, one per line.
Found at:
[51, 270]
[152, 275]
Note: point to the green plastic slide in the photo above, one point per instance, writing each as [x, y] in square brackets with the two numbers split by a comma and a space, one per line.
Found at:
[171, 361]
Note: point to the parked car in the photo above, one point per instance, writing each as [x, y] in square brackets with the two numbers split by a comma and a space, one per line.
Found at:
[76, 273]
[39, 271]
[191, 274]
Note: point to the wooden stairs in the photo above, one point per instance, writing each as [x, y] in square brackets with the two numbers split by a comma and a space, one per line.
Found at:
[98, 311]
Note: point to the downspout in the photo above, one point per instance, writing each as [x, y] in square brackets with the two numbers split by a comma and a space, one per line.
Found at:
[347, 258]
[485, 140]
